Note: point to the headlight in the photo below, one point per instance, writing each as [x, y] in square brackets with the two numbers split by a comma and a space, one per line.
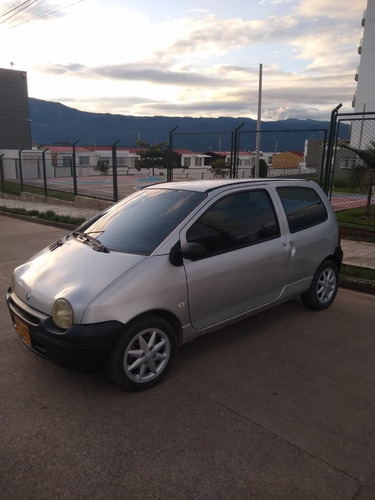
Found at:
[62, 314]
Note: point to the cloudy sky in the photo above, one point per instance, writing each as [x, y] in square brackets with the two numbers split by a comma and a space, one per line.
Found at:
[186, 57]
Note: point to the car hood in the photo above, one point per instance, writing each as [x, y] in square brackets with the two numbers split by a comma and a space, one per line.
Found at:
[72, 270]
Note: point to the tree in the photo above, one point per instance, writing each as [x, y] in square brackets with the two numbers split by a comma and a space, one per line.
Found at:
[218, 168]
[151, 156]
[364, 171]
[102, 167]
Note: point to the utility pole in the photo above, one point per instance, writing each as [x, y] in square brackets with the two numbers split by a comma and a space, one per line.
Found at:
[257, 152]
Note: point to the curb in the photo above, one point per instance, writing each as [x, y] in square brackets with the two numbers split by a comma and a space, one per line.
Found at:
[358, 285]
[37, 220]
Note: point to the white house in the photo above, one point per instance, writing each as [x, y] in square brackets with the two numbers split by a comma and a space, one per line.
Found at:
[190, 159]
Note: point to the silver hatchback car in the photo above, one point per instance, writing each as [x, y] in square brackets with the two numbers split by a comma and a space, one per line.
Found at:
[169, 263]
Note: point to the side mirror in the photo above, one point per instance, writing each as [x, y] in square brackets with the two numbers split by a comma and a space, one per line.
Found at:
[193, 251]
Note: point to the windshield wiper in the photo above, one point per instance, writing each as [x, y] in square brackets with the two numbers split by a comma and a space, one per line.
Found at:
[89, 239]
[56, 245]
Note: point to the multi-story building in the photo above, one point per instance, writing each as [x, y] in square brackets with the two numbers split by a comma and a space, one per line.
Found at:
[15, 127]
[364, 97]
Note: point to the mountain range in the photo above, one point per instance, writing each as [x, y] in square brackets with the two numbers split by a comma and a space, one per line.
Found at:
[53, 123]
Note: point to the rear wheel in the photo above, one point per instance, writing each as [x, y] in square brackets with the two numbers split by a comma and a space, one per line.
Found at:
[143, 354]
[323, 289]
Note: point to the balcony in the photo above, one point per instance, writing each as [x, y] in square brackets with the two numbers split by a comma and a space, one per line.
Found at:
[360, 46]
[356, 74]
[354, 99]
[364, 18]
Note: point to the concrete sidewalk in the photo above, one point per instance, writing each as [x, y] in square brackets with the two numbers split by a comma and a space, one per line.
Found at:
[356, 253]
[59, 209]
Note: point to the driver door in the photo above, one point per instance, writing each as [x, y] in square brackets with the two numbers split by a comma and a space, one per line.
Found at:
[247, 263]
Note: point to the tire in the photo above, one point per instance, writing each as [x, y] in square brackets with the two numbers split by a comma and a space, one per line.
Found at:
[323, 289]
[143, 353]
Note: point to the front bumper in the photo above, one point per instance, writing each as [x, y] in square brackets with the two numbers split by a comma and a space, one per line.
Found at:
[82, 347]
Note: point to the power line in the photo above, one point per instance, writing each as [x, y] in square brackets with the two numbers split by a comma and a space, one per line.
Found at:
[14, 8]
[53, 10]
[58, 8]
[20, 8]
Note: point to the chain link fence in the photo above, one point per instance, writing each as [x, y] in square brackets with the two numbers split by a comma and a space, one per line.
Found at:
[282, 153]
[79, 172]
[112, 172]
[248, 154]
[211, 158]
[352, 180]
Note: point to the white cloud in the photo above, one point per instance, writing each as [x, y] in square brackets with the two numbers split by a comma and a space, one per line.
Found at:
[336, 9]
[102, 56]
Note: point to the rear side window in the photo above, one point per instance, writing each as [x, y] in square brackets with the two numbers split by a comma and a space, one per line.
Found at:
[235, 221]
[303, 207]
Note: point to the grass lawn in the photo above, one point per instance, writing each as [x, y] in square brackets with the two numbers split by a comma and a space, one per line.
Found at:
[347, 186]
[356, 218]
[364, 273]
[48, 215]
[14, 189]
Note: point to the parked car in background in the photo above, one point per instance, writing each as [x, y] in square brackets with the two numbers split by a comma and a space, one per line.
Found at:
[172, 262]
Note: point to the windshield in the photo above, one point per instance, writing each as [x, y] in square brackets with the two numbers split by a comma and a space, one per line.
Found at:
[139, 223]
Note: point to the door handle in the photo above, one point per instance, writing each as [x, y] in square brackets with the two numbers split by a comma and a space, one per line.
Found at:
[292, 249]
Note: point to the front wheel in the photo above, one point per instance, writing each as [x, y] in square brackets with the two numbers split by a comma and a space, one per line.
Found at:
[323, 289]
[143, 354]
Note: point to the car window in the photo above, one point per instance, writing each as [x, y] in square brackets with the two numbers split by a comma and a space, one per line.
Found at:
[142, 221]
[303, 207]
[235, 221]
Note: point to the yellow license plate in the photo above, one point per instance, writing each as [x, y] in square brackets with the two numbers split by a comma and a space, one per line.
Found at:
[22, 329]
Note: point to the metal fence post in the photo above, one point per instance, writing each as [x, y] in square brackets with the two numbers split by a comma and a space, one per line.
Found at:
[170, 156]
[2, 173]
[231, 166]
[114, 170]
[74, 166]
[332, 130]
[322, 158]
[44, 172]
[235, 150]
[20, 167]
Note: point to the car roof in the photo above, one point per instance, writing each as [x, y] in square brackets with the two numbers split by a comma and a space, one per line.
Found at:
[205, 186]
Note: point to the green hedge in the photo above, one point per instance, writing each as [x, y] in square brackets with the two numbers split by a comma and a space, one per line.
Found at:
[49, 215]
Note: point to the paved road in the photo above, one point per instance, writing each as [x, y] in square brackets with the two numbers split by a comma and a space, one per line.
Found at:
[280, 406]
